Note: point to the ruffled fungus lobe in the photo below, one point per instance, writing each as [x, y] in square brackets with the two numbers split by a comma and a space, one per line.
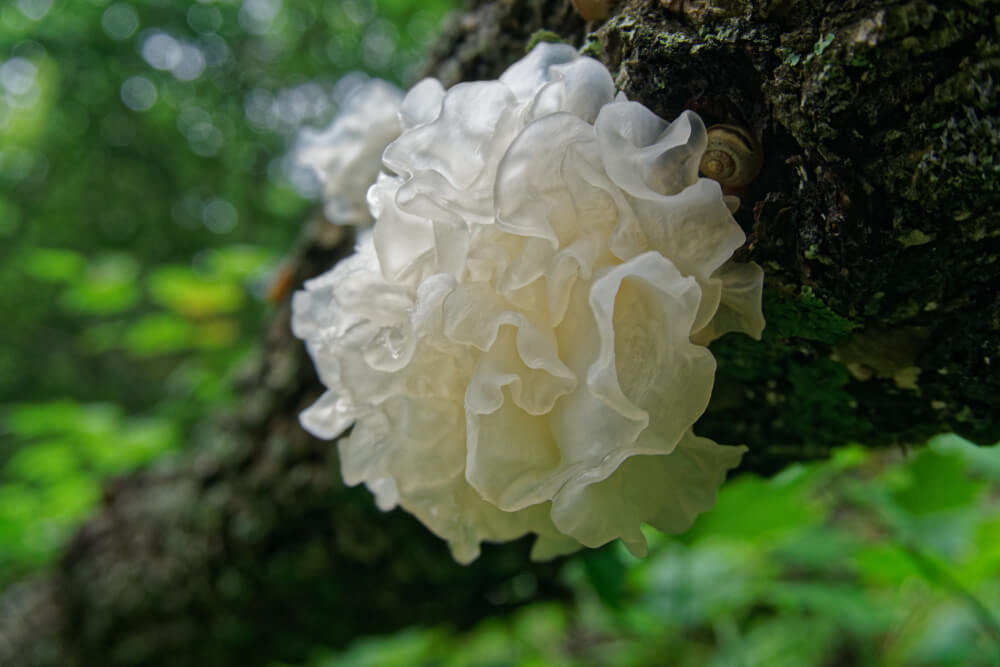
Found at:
[520, 340]
[346, 155]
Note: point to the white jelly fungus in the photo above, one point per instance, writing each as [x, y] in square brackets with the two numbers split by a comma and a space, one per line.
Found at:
[346, 156]
[520, 341]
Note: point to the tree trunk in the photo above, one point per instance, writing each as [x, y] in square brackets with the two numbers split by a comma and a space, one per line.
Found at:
[252, 548]
[875, 218]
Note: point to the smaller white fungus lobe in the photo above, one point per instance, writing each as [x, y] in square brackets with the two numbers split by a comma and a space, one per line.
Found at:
[520, 341]
[346, 156]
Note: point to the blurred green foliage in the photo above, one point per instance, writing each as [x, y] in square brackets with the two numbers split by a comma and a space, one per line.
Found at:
[145, 199]
[144, 202]
[872, 559]
[53, 479]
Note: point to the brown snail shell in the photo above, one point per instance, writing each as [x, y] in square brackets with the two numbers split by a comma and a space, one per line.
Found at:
[733, 156]
[592, 10]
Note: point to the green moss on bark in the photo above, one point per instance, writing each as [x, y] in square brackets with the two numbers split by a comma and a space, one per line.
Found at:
[879, 195]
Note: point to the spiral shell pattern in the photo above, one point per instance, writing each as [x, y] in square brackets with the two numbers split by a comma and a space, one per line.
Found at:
[733, 157]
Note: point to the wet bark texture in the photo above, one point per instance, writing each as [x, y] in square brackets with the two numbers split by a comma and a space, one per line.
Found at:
[875, 218]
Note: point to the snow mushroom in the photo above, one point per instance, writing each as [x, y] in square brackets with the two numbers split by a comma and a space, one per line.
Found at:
[520, 340]
[346, 156]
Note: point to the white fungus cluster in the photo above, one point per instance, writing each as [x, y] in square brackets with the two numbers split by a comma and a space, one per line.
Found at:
[520, 340]
[346, 157]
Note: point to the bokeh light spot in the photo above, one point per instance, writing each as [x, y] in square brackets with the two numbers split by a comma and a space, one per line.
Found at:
[214, 49]
[204, 18]
[34, 9]
[191, 64]
[359, 12]
[17, 75]
[138, 93]
[162, 51]
[256, 16]
[219, 216]
[379, 44]
[120, 21]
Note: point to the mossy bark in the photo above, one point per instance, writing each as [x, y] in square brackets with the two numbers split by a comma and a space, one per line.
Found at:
[875, 218]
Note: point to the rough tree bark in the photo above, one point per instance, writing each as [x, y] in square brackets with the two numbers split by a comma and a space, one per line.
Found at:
[876, 219]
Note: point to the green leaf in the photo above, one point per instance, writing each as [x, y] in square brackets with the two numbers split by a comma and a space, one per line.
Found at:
[53, 264]
[71, 498]
[820, 547]
[934, 482]
[979, 461]
[984, 550]
[405, 648]
[239, 262]
[850, 606]
[787, 641]
[36, 419]
[108, 286]
[181, 290]
[688, 585]
[216, 334]
[885, 564]
[158, 334]
[43, 462]
[948, 634]
[758, 510]
[140, 440]
[541, 624]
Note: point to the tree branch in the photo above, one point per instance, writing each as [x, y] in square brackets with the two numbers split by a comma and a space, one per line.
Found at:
[876, 221]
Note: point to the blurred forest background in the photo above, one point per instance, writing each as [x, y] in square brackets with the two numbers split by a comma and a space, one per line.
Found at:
[146, 199]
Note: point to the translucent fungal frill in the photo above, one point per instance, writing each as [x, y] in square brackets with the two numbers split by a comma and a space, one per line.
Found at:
[520, 342]
[346, 156]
